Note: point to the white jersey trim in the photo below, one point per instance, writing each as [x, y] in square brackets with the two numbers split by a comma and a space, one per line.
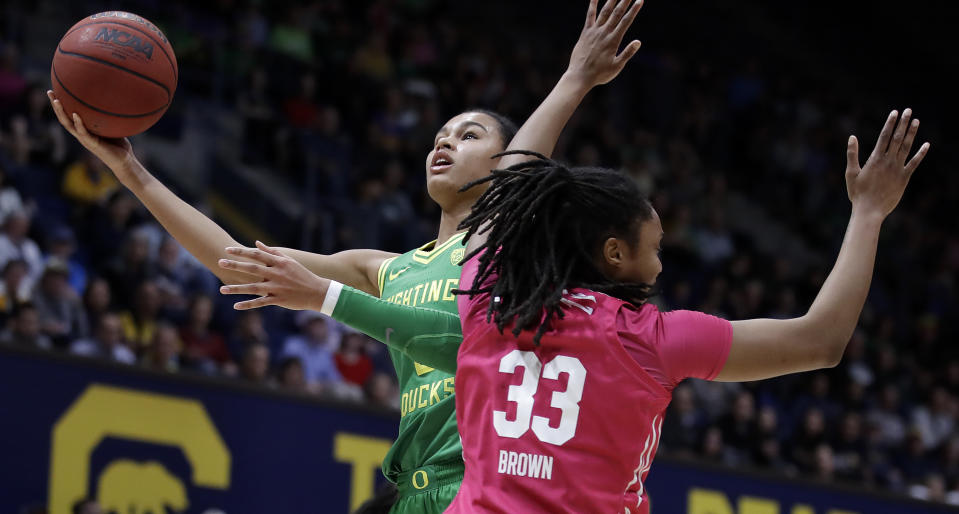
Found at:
[646, 458]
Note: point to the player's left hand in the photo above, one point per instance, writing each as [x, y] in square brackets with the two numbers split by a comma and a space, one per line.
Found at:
[596, 58]
[284, 282]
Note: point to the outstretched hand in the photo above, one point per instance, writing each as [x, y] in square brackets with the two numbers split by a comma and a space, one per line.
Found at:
[283, 281]
[117, 154]
[596, 58]
[877, 187]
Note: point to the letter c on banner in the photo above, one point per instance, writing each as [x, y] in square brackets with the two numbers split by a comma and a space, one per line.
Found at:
[151, 418]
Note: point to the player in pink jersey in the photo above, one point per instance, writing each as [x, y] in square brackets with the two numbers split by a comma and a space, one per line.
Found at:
[560, 399]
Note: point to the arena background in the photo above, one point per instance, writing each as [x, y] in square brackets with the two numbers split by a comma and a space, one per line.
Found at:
[306, 124]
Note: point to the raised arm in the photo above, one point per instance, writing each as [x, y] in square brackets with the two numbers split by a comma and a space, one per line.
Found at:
[764, 348]
[200, 235]
[595, 60]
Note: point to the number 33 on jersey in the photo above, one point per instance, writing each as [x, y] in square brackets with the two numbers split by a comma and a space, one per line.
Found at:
[556, 416]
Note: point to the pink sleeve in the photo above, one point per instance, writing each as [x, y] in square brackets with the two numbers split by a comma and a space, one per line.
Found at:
[693, 345]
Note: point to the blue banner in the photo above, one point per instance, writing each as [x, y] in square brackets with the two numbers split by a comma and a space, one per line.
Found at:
[682, 487]
[72, 429]
[163, 443]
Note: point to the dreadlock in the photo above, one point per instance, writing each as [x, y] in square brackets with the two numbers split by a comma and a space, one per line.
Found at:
[545, 224]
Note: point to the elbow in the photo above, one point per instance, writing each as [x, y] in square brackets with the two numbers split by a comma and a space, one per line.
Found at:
[831, 351]
[829, 341]
[832, 359]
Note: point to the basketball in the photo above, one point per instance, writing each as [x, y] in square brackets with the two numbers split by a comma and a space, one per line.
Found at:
[117, 71]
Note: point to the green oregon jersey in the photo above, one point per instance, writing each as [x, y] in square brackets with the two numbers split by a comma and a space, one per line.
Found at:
[423, 277]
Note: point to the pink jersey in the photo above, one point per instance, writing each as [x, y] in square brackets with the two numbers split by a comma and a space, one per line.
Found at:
[572, 425]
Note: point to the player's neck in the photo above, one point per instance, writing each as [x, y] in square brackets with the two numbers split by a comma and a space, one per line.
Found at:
[449, 221]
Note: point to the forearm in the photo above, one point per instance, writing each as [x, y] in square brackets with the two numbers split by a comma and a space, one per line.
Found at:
[200, 235]
[835, 312]
[428, 336]
[542, 129]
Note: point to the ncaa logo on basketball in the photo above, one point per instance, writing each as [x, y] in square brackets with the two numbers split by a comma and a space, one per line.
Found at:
[131, 17]
[457, 256]
[121, 38]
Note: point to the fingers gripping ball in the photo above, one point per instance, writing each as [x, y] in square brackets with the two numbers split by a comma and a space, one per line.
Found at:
[117, 71]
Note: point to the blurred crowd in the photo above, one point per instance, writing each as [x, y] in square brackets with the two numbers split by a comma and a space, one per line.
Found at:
[351, 93]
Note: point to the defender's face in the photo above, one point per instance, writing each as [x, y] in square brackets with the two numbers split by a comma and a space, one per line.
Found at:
[639, 263]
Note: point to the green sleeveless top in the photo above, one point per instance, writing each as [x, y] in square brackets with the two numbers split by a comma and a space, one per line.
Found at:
[423, 277]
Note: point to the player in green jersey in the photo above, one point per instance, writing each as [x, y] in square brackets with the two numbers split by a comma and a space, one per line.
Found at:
[428, 446]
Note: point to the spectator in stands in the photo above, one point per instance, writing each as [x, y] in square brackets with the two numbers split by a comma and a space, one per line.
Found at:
[97, 300]
[109, 226]
[258, 110]
[163, 353]
[715, 243]
[255, 366]
[10, 200]
[932, 489]
[767, 453]
[382, 391]
[912, 459]
[395, 210]
[88, 182]
[126, 272]
[24, 329]
[37, 137]
[351, 360]
[179, 275]
[12, 83]
[886, 416]
[61, 313]
[203, 348]
[739, 426]
[807, 439]
[713, 448]
[824, 464]
[106, 343]
[292, 37]
[766, 450]
[301, 110]
[936, 419]
[16, 287]
[767, 422]
[817, 396]
[248, 330]
[291, 377]
[312, 345]
[372, 60]
[683, 424]
[140, 322]
[62, 245]
[15, 244]
[849, 449]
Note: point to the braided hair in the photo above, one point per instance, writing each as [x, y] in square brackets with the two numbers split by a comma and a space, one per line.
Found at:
[546, 223]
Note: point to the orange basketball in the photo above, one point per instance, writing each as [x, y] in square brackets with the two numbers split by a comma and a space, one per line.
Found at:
[117, 71]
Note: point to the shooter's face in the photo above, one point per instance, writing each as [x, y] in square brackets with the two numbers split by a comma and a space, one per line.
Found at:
[462, 152]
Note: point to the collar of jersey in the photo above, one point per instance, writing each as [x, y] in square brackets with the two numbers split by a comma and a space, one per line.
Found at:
[426, 253]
